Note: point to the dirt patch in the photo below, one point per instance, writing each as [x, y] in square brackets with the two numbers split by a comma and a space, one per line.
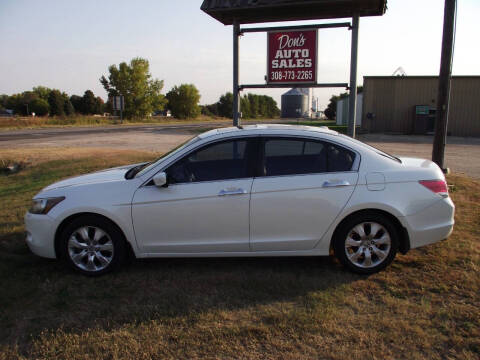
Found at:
[144, 139]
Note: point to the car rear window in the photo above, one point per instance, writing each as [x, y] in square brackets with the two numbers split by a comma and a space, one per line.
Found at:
[301, 156]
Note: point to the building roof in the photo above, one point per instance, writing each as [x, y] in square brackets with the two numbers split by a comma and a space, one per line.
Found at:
[419, 77]
[257, 11]
[295, 91]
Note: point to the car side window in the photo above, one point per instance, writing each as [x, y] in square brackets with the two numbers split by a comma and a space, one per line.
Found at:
[285, 156]
[339, 158]
[219, 161]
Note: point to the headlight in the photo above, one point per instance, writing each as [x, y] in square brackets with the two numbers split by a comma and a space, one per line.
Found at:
[43, 206]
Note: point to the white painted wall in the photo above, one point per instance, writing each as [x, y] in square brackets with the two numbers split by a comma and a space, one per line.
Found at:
[342, 116]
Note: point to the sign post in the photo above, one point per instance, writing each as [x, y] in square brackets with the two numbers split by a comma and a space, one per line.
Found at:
[118, 104]
[352, 99]
[292, 51]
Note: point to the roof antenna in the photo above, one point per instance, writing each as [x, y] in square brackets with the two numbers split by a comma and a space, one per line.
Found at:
[399, 72]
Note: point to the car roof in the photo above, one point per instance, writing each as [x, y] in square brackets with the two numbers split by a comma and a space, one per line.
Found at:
[266, 129]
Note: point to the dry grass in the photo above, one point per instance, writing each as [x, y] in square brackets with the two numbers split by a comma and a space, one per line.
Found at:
[18, 123]
[426, 305]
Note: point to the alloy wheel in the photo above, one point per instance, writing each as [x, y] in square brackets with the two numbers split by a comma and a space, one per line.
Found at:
[90, 248]
[367, 244]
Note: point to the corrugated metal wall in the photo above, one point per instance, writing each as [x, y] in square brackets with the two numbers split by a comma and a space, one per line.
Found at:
[392, 100]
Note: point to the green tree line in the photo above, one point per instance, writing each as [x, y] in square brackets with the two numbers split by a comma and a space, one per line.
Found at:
[44, 101]
[142, 98]
[251, 106]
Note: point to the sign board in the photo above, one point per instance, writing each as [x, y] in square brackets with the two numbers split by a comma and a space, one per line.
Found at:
[118, 103]
[257, 11]
[422, 109]
[292, 56]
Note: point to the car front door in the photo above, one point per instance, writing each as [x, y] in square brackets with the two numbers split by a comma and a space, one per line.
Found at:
[304, 185]
[204, 208]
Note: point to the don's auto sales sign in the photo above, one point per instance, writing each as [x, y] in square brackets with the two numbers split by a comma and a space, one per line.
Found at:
[292, 56]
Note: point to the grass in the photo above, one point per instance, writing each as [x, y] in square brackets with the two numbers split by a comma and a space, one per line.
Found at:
[19, 123]
[425, 305]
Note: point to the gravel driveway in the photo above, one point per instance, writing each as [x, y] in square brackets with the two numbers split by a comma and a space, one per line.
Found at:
[462, 155]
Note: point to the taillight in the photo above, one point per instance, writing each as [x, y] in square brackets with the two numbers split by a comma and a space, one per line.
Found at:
[436, 186]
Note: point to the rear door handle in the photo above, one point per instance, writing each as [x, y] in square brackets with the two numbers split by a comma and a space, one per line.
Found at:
[229, 191]
[335, 183]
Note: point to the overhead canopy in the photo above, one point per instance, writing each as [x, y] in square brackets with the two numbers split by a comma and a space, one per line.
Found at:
[257, 11]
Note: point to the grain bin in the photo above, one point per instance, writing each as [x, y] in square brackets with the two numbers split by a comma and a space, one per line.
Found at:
[295, 104]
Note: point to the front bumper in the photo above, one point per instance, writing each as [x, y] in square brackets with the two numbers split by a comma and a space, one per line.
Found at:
[40, 235]
[432, 224]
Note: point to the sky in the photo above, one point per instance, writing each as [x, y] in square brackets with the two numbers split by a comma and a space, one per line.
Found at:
[69, 44]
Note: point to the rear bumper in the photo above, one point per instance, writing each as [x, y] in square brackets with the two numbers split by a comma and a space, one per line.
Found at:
[432, 224]
[40, 235]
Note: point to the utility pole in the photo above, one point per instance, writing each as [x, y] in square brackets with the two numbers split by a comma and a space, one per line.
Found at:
[236, 65]
[443, 96]
[352, 99]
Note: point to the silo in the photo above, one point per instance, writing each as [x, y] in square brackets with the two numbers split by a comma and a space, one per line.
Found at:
[295, 104]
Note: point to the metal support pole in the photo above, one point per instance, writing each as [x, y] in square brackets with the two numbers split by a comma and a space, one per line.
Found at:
[236, 90]
[352, 99]
[443, 96]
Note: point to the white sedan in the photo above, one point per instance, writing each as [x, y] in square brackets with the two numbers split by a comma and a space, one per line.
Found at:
[262, 190]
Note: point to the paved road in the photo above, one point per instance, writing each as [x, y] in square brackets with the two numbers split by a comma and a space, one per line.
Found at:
[79, 131]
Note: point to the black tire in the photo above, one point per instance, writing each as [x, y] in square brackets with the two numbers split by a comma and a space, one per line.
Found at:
[362, 220]
[113, 239]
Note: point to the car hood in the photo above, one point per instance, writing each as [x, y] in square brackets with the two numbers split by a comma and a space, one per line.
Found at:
[108, 175]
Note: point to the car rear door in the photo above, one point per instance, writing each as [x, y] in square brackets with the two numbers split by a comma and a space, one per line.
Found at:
[304, 184]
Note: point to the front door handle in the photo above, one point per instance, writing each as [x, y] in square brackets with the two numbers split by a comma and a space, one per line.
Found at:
[232, 191]
[335, 183]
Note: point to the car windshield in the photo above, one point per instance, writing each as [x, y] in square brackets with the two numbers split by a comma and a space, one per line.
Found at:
[166, 155]
[378, 151]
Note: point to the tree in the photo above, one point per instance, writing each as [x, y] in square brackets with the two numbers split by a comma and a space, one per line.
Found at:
[209, 110]
[39, 106]
[56, 102]
[99, 105]
[183, 101]
[3, 101]
[251, 106]
[42, 91]
[76, 101]
[89, 103]
[68, 107]
[135, 83]
[331, 109]
[20, 103]
[225, 105]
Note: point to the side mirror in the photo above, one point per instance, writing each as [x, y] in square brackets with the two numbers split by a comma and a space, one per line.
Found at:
[160, 179]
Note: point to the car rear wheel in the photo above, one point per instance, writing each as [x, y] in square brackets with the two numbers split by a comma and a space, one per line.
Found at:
[366, 243]
[92, 245]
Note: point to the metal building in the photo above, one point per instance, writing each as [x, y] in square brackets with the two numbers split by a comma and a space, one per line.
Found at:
[343, 109]
[295, 104]
[407, 105]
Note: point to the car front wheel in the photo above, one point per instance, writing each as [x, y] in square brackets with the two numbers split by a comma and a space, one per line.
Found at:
[366, 243]
[92, 245]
